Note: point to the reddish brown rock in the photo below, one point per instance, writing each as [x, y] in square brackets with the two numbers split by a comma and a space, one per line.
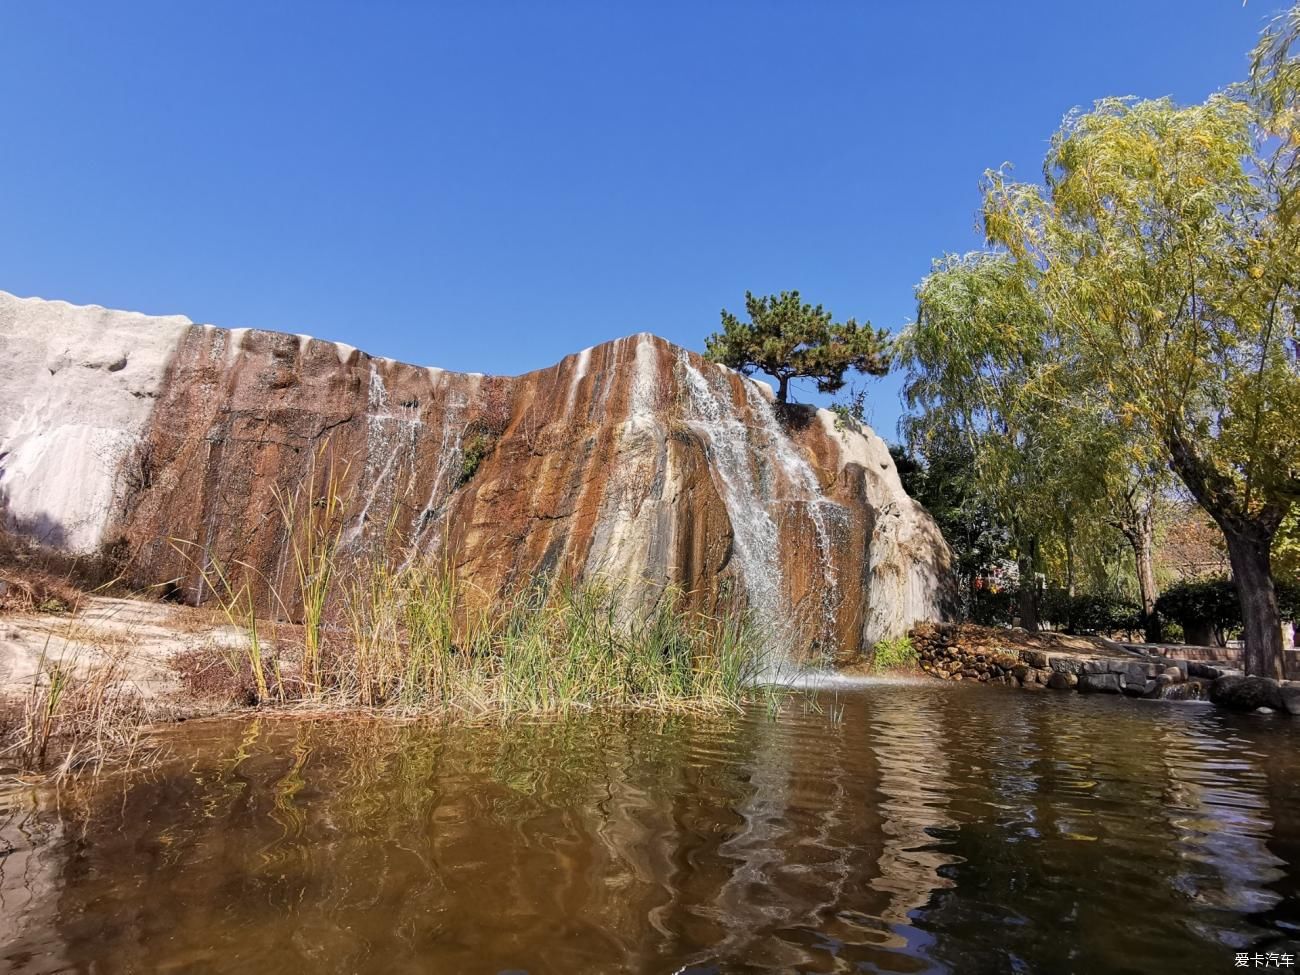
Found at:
[635, 462]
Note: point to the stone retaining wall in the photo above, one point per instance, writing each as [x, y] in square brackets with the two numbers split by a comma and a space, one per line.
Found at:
[961, 653]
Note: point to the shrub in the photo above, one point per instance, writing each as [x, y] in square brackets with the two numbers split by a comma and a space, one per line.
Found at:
[990, 607]
[896, 653]
[1198, 603]
[1090, 612]
[477, 447]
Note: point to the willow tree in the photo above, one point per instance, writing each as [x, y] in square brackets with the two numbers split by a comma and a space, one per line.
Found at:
[787, 338]
[981, 370]
[1165, 253]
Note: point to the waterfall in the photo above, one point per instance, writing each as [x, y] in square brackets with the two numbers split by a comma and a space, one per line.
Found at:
[756, 539]
[387, 435]
[806, 491]
[733, 447]
[579, 373]
[447, 470]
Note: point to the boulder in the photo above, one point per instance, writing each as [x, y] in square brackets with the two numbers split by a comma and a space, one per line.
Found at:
[1099, 683]
[1134, 671]
[1035, 658]
[1246, 693]
[1290, 693]
[635, 463]
[1066, 665]
[1062, 681]
[1174, 675]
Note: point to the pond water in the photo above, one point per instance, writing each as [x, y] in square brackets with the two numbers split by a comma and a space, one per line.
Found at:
[906, 828]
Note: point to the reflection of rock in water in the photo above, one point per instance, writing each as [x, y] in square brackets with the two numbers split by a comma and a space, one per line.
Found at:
[914, 792]
[31, 868]
[931, 829]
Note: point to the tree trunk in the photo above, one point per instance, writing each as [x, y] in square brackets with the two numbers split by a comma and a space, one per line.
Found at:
[1249, 534]
[1200, 633]
[1028, 587]
[782, 389]
[1248, 551]
[1142, 538]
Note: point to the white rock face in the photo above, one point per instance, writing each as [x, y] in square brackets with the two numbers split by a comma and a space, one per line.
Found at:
[908, 554]
[77, 386]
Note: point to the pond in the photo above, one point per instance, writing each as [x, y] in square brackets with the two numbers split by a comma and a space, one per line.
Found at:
[905, 828]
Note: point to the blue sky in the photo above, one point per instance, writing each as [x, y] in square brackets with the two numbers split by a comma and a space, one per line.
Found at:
[490, 186]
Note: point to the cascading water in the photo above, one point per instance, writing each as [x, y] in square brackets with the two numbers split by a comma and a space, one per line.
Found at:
[579, 373]
[450, 455]
[388, 436]
[806, 490]
[746, 497]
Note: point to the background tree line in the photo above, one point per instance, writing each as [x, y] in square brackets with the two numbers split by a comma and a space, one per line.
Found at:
[1130, 330]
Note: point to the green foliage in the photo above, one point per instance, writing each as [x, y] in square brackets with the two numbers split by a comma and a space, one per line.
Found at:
[1138, 313]
[475, 450]
[1286, 550]
[1092, 612]
[1208, 602]
[1170, 282]
[787, 338]
[851, 414]
[1014, 451]
[945, 482]
[845, 418]
[896, 653]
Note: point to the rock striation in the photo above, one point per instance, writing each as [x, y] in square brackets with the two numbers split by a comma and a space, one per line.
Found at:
[636, 462]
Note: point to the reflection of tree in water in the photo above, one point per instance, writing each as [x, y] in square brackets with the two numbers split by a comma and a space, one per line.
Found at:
[1067, 812]
[936, 827]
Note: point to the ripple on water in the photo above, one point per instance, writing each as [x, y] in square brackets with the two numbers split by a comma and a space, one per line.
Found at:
[904, 827]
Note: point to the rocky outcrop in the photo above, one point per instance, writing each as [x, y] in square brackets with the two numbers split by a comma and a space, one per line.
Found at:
[636, 462]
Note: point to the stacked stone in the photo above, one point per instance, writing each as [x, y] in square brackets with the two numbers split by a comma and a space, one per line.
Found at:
[950, 652]
[941, 655]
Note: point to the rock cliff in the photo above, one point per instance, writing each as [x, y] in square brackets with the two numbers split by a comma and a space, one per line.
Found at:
[636, 462]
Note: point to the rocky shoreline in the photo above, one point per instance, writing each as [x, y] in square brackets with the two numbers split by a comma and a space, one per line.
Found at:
[986, 655]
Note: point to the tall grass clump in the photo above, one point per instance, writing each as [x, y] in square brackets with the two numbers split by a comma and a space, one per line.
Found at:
[896, 653]
[313, 521]
[413, 638]
[375, 631]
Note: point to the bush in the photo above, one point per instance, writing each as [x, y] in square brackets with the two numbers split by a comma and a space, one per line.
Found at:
[476, 449]
[895, 654]
[1090, 612]
[1197, 603]
[990, 607]
[1212, 602]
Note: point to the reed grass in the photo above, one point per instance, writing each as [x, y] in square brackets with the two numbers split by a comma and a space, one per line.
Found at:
[420, 640]
[77, 713]
[413, 638]
[313, 521]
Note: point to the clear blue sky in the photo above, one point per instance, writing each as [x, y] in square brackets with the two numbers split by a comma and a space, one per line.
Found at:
[490, 186]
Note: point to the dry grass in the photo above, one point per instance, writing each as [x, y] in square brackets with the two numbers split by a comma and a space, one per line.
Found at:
[75, 716]
[34, 591]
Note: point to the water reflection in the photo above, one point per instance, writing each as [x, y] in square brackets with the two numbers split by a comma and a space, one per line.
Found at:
[933, 828]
